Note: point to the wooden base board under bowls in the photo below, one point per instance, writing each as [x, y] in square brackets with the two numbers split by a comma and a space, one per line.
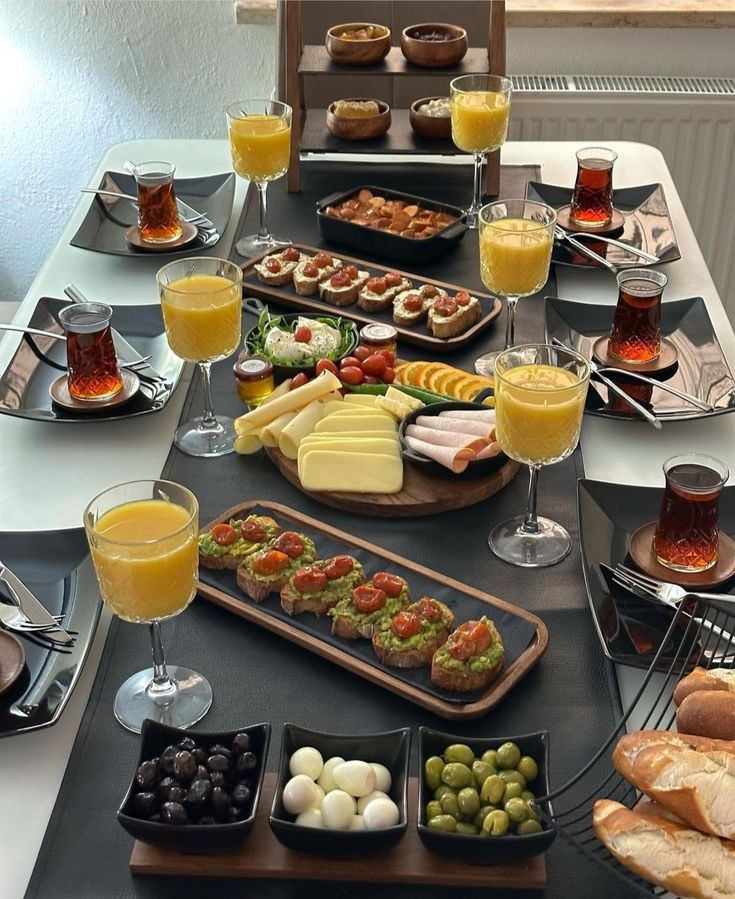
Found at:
[409, 862]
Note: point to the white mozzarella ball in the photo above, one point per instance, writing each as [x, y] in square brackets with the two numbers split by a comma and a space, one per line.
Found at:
[312, 817]
[364, 801]
[306, 760]
[326, 779]
[381, 813]
[338, 809]
[357, 823]
[317, 803]
[299, 794]
[355, 777]
[383, 780]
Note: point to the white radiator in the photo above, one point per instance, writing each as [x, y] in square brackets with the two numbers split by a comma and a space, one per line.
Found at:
[691, 120]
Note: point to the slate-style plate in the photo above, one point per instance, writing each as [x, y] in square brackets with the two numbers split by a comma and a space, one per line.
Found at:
[648, 226]
[702, 368]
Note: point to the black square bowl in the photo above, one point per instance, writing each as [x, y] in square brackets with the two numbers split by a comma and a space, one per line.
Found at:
[480, 850]
[193, 838]
[390, 748]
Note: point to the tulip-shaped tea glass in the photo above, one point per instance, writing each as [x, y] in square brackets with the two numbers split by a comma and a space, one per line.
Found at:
[143, 540]
[539, 400]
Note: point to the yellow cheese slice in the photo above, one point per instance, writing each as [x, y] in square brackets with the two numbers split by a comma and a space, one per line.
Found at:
[269, 434]
[379, 445]
[337, 407]
[360, 399]
[371, 421]
[282, 388]
[248, 443]
[351, 472]
[287, 402]
[300, 426]
[351, 435]
[398, 410]
[403, 399]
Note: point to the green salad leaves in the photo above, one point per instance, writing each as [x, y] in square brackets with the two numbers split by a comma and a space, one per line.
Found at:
[267, 322]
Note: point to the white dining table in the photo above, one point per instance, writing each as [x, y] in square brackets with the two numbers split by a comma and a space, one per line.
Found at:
[49, 471]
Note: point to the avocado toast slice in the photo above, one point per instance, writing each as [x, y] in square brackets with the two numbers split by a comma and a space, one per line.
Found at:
[268, 570]
[321, 585]
[410, 639]
[356, 615]
[226, 544]
[470, 659]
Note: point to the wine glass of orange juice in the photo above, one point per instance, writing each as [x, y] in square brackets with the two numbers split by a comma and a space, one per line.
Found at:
[539, 400]
[143, 540]
[480, 108]
[516, 240]
[260, 140]
[201, 302]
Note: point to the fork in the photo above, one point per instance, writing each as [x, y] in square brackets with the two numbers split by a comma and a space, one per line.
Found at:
[14, 620]
[561, 234]
[663, 591]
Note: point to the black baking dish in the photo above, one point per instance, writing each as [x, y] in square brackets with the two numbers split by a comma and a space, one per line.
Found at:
[383, 243]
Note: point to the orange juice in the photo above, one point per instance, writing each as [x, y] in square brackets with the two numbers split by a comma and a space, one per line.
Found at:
[479, 120]
[146, 559]
[261, 146]
[515, 255]
[202, 314]
[539, 412]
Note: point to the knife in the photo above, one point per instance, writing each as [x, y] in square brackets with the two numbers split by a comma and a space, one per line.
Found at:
[32, 608]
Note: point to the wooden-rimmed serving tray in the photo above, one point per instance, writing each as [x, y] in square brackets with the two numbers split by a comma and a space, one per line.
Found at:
[524, 635]
[417, 334]
[408, 862]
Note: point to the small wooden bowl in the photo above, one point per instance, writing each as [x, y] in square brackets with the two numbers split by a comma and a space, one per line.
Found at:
[428, 125]
[434, 54]
[360, 129]
[357, 53]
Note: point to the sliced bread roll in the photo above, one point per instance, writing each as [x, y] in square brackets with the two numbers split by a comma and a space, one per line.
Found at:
[708, 713]
[722, 679]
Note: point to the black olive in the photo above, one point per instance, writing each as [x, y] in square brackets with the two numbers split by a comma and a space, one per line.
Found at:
[185, 767]
[207, 819]
[166, 760]
[177, 794]
[218, 778]
[156, 818]
[145, 804]
[187, 743]
[246, 762]
[242, 794]
[164, 786]
[173, 813]
[146, 775]
[240, 743]
[220, 803]
[218, 762]
[202, 773]
[200, 756]
[219, 749]
[231, 815]
[199, 793]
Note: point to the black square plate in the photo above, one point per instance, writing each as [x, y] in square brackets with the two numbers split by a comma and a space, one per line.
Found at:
[107, 219]
[50, 564]
[648, 225]
[702, 370]
[38, 362]
[630, 629]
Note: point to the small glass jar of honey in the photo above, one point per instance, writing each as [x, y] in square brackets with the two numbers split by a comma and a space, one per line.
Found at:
[253, 379]
[379, 337]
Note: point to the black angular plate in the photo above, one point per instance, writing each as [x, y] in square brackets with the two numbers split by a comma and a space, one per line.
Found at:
[648, 226]
[630, 629]
[51, 564]
[702, 371]
[25, 382]
[107, 219]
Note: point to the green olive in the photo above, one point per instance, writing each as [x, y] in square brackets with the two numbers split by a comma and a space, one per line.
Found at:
[481, 771]
[516, 809]
[531, 810]
[469, 801]
[512, 777]
[508, 756]
[433, 809]
[450, 805]
[528, 768]
[442, 789]
[528, 795]
[457, 775]
[433, 768]
[496, 823]
[492, 790]
[467, 829]
[481, 815]
[491, 757]
[459, 752]
[443, 822]
[512, 791]
[530, 826]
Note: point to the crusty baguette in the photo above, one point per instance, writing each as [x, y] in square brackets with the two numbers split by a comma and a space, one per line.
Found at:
[461, 680]
[294, 603]
[257, 589]
[668, 854]
[275, 279]
[693, 777]
[374, 303]
[344, 627]
[708, 713]
[703, 679]
[409, 658]
[219, 563]
[463, 318]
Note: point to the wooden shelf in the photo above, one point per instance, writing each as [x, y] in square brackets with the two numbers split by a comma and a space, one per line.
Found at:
[400, 138]
[316, 61]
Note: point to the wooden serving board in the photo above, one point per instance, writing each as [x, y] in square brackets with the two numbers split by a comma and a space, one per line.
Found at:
[305, 630]
[417, 334]
[408, 862]
[422, 494]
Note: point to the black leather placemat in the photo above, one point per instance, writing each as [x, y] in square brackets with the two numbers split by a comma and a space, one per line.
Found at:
[257, 676]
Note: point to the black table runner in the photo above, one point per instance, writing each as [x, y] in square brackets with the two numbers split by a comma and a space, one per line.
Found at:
[256, 676]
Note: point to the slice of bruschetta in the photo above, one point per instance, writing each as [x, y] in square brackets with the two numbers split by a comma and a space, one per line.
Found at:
[410, 638]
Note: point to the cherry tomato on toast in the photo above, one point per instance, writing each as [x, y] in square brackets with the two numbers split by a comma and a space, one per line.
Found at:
[389, 583]
[406, 624]
[224, 534]
[270, 562]
[309, 580]
[338, 567]
[252, 531]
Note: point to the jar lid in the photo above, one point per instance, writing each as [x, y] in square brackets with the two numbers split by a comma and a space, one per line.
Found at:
[254, 368]
[378, 333]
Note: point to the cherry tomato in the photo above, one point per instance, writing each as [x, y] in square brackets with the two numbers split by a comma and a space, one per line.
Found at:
[462, 298]
[374, 365]
[428, 609]
[302, 334]
[291, 254]
[310, 270]
[406, 624]
[337, 567]
[351, 272]
[321, 260]
[368, 599]
[252, 531]
[326, 365]
[393, 279]
[339, 279]
[309, 580]
[224, 534]
[391, 584]
[480, 636]
[369, 379]
[290, 543]
[389, 356]
[461, 649]
[299, 380]
[445, 306]
[377, 285]
[351, 374]
[388, 376]
[273, 266]
[428, 291]
[349, 361]
[413, 302]
[361, 353]
[469, 639]
[270, 562]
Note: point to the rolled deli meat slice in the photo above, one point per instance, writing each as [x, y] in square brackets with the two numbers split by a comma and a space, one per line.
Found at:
[454, 458]
[485, 415]
[460, 425]
[447, 438]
